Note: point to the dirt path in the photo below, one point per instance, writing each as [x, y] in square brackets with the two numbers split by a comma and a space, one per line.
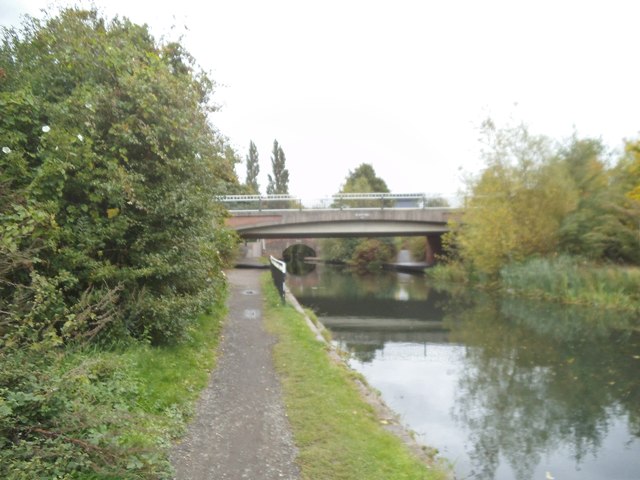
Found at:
[240, 430]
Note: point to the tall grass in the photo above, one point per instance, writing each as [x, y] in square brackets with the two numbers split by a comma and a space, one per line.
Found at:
[572, 280]
[454, 272]
[460, 274]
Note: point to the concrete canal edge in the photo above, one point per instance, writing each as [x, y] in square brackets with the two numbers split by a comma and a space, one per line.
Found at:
[388, 419]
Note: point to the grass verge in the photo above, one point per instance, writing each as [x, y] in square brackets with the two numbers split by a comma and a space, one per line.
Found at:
[101, 414]
[337, 433]
[172, 377]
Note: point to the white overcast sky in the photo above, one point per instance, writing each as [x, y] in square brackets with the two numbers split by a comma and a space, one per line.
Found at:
[400, 84]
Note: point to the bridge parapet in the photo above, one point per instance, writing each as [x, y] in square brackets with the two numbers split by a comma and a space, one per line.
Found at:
[342, 201]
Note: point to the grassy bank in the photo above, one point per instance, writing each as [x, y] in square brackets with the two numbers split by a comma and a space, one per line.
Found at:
[337, 433]
[562, 279]
[96, 414]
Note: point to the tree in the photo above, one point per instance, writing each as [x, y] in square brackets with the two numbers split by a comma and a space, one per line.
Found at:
[619, 226]
[518, 201]
[363, 180]
[369, 253]
[579, 229]
[279, 183]
[604, 226]
[110, 168]
[633, 151]
[253, 169]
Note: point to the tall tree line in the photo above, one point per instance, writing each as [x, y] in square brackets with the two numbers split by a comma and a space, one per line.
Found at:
[539, 197]
[278, 179]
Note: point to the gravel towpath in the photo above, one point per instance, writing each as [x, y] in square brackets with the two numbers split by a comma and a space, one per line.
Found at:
[240, 430]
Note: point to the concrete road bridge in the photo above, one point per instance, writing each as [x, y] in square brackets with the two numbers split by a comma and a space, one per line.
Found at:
[342, 215]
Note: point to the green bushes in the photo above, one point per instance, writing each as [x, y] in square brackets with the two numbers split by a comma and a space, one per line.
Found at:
[371, 253]
[108, 172]
[61, 415]
[540, 197]
[111, 244]
[364, 254]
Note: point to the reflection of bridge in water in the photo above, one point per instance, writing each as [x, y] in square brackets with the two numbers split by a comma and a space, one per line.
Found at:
[378, 331]
[372, 322]
[371, 308]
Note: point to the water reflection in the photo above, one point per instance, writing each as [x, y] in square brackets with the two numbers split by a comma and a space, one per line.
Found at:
[299, 267]
[541, 377]
[344, 292]
[506, 389]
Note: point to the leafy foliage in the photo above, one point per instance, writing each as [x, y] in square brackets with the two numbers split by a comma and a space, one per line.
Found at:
[363, 253]
[604, 224]
[108, 230]
[633, 151]
[417, 246]
[60, 418]
[93, 413]
[537, 199]
[371, 253]
[516, 205]
[108, 171]
[338, 249]
[366, 253]
[363, 180]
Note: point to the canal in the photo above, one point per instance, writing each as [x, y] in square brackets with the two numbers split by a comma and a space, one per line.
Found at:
[504, 388]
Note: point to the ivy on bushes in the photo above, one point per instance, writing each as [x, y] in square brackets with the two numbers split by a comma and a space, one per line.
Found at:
[108, 172]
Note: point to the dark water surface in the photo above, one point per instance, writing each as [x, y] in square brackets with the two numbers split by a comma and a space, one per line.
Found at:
[504, 388]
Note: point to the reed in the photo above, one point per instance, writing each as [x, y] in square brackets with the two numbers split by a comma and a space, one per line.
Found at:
[454, 272]
[573, 280]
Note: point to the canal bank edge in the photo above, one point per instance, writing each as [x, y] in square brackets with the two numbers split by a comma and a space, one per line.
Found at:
[388, 419]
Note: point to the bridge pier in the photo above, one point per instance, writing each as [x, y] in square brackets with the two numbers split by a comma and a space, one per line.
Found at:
[433, 247]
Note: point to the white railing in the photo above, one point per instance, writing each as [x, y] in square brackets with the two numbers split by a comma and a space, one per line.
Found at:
[340, 201]
[278, 274]
[279, 264]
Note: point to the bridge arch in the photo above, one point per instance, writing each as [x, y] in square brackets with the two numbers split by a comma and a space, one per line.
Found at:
[294, 256]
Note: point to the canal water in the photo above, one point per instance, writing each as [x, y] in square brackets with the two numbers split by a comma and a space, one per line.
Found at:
[505, 389]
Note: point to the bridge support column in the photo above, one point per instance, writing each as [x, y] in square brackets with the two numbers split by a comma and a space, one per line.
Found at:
[434, 247]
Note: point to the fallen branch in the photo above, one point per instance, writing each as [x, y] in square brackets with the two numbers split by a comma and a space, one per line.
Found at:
[76, 441]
